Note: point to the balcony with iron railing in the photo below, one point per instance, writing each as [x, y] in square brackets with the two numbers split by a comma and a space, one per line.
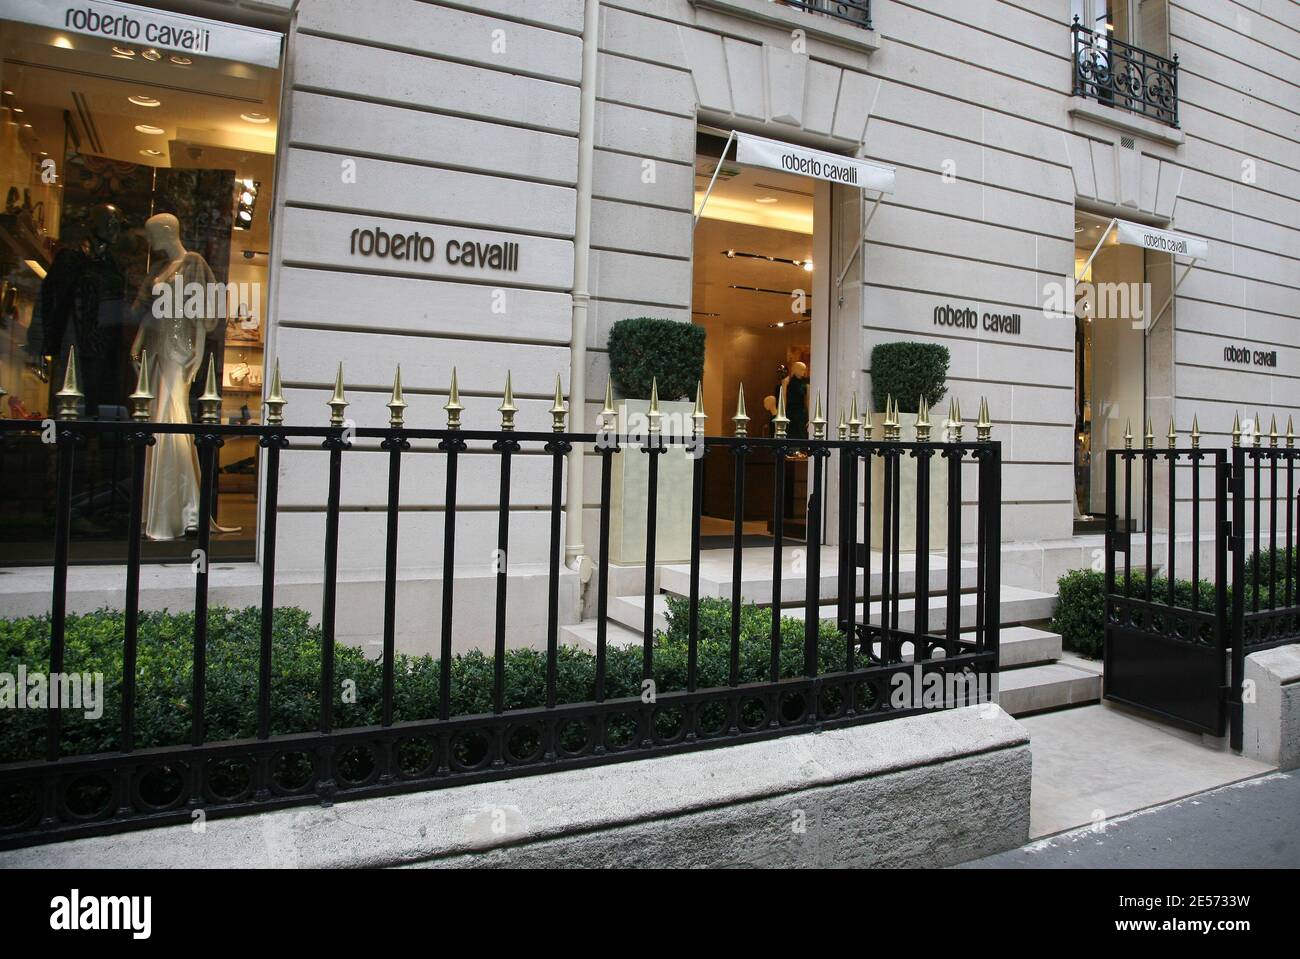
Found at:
[844, 23]
[1120, 75]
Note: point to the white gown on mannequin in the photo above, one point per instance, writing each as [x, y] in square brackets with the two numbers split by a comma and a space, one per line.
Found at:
[172, 474]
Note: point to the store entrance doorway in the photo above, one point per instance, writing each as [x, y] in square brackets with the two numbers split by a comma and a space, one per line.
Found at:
[1110, 389]
[753, 292]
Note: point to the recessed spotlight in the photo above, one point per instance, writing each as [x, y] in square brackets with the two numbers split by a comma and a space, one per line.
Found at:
[151, 153]
[27, 126]
[125, 53]
[152, 131]
[141, 100]
[180, 61]
[153, 56]
[18, 109]
[8, 93]
[765, 199]
[255, 117]
[63, 43]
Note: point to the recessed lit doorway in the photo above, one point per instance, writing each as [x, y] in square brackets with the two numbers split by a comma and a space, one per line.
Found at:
[754, 275]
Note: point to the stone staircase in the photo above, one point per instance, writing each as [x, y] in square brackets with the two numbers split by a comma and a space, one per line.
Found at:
[1036, 675]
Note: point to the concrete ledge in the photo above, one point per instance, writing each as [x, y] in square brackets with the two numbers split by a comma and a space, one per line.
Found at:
[930, 790]
[1081, 108]
[1272, 721]
[817, 25]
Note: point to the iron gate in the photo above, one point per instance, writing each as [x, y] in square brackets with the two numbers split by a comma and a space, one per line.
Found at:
[1216, 584]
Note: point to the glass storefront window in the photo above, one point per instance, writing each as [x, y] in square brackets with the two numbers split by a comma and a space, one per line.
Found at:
[137, 188]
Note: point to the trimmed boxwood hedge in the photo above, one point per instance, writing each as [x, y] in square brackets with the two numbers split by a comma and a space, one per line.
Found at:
[165, 661]
[908, 371]
[1080, 607]
[643, 349]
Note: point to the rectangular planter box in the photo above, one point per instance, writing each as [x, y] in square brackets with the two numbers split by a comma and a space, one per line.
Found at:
[630, 489]
[907, 494]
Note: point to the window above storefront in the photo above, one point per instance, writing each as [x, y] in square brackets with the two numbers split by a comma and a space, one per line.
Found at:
[1121, 57]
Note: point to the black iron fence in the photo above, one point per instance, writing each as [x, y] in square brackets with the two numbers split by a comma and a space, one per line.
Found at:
[58, 793]
[1118, 74]
[857, 12]
[1178, 628]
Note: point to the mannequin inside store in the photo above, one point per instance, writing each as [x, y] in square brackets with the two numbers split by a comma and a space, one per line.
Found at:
[126, 169]
[753, 292]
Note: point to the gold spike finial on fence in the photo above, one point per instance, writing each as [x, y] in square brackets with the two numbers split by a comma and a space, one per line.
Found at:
[842, 430]
[984, 425]
[954, 420]
[780, 422]
[338, 402]
[1128, 434]
[558, 412]
[275, 401]
[1172, 436]
[698, 416]
[654, 415]
[891, 424]
[210, 400]
[608, 415]
[1259, 431]
[1149, 439]
[1236, 429]
[1272, 432]
[740, 421]
[1290, 434]
[868, 427]
[507, 409]
[142, 396]
[923, 421]
[453, 405]
[819, 421]
[1196, 432]
[397, 402]
[855, 418]
[68, 397]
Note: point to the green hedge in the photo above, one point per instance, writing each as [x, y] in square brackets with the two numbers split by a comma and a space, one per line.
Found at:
[1081, 604]
[164, 671]
[908, 371]
[643, 349]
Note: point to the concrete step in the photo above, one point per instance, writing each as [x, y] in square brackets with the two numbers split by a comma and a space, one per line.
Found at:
[1032, 689]
[1017, 606]
[583, 635]
[756, 575]
[1025, 646]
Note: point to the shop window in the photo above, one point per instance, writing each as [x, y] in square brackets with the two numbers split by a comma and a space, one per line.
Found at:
[137, 186]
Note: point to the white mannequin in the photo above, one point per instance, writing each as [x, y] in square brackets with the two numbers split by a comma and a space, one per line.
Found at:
[175, 344]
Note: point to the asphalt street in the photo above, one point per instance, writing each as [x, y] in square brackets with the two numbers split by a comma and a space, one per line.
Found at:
[1254, 824]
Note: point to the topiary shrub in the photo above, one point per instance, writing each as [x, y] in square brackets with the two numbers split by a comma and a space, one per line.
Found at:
[908, 371]
[644, 349]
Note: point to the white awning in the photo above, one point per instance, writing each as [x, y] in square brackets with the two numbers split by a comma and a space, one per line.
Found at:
[869, 177]
[1156, 240]
[127, 23]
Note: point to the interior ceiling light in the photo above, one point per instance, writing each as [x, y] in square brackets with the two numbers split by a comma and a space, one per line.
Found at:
[782, 324]
[141, 100]
[18, 109]
[152, 131]
[123, 53]
[180, 61]
[803, 264]
[8, 93]
[766, 199]
[255, 117]
[153, 56]
[762, 289]
[63, 43]
[152, 153]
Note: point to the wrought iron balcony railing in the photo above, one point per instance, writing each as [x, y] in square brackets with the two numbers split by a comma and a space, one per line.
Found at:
[856, 12]
[1124, 76]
